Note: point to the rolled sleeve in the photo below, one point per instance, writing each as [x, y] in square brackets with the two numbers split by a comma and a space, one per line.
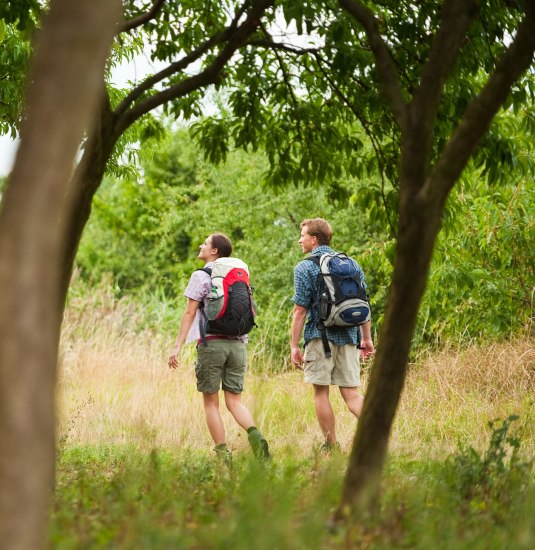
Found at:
[198, 286]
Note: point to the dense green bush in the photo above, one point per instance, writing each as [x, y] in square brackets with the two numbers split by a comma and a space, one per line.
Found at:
[490, 483]
[146, 233]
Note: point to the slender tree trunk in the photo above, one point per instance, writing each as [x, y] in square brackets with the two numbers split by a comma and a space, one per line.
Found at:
[66, 70]
[418, 228]
[86, 181]
[110, 125]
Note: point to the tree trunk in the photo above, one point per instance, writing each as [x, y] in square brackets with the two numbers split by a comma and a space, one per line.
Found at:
[67, 67]
[421, 209]
[86, 181]
[418, 228]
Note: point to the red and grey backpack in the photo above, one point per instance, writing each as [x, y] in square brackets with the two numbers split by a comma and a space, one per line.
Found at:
[230, 310]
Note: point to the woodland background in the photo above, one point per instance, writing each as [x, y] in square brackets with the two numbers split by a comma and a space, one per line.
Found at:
[251, 153]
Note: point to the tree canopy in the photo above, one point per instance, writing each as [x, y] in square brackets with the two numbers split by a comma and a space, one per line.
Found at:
[398, 94]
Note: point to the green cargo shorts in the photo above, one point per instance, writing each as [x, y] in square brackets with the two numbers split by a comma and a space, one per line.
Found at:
[221, 362]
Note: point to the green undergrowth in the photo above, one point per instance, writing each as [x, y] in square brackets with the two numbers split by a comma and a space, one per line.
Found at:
[121, 497]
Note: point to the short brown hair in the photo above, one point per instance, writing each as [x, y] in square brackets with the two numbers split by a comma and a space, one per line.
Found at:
[319, 228]
[222, 243]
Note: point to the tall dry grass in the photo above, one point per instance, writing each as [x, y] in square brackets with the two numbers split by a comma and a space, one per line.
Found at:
[115, 387]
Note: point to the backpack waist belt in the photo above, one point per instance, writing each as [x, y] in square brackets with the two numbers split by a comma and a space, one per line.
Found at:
[218, 337]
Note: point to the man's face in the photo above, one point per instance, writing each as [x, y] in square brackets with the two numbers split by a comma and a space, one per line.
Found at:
[307, 241]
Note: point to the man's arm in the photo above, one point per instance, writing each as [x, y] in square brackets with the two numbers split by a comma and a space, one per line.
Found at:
[366, 344]
[185, 324]
[298, 322]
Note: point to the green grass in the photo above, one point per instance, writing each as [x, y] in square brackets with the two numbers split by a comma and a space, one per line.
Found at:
[135, 468]
[122, 497]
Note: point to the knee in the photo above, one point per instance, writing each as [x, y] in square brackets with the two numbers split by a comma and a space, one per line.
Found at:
[321, 398]
[211, 401]
[232, 402]
[321, 393]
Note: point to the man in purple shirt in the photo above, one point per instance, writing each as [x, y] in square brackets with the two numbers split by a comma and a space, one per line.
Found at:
[221, 360]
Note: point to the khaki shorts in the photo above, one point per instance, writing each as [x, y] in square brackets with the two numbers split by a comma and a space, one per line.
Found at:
[342, 369]
[220, 363]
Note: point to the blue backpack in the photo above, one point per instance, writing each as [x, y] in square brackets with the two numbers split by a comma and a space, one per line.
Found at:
[342, 300]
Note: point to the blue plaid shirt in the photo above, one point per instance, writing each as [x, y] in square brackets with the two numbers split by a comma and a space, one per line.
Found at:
[306, 287]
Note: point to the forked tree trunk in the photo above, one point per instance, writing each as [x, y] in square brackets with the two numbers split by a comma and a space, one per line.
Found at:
[66, 72]
[418, 228]
[422, 200]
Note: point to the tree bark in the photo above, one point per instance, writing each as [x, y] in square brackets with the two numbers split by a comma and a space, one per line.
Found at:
[66, 71]
[112, 124]
[418, 227]
[422, 200]
[86, 181]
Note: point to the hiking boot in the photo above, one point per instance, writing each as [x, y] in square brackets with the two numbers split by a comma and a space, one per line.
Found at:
[329, 448]
[258, 444]
[223, 453]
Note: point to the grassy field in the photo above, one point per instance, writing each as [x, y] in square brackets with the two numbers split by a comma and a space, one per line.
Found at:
[136, 469]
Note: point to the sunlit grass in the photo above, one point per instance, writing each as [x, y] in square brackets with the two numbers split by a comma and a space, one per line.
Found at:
[115, 387]
[136, 469]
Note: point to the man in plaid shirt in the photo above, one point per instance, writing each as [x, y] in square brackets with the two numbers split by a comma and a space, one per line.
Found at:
[343, 368]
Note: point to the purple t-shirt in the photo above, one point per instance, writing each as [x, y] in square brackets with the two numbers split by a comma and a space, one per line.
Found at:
[198, 289]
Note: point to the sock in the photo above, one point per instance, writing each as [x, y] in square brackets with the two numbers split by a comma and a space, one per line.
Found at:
[258, 443]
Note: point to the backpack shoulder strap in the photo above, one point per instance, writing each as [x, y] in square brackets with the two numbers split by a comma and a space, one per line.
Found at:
[207, 270]
[321, 327]
[203, 321]
[313, 259]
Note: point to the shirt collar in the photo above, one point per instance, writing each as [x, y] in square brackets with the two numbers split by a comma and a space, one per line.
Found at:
[322, 249]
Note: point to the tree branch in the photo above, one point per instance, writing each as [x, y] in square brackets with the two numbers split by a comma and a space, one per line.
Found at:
[180, 65]
[210, 75]
[143, 18]
[270, 44]
[172, 69]
[376, 145]
[386, 68]
[516, 59]
[457, 15]
[287, 82]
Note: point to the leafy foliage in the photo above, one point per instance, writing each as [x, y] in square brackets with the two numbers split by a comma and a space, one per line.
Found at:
[145, 231]
[310, 101]
[23, 13]
[486, 483]
[481, 265]
[14, 59]
[122, 497]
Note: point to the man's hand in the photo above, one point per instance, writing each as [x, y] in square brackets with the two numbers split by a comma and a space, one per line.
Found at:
[297, 357]
[366, 349]
[298, 322]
